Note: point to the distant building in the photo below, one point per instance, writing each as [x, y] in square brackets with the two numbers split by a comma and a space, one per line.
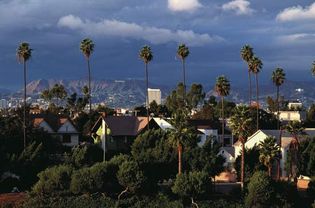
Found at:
[154, 94]
[3, 104]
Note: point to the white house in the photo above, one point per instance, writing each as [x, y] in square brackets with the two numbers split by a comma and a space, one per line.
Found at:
[261, 135]
[58, 127]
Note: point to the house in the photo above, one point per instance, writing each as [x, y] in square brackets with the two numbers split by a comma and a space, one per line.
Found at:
[209, 129]
[117, 133]
[58, 127]
[261, 135]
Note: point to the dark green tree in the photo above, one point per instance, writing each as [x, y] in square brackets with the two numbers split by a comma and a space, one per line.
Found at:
[87, 48]
[222, 88]
[278, 77]
[256, 65]
[182, 53]
[24, 53]
[241, 125]
[246, 55]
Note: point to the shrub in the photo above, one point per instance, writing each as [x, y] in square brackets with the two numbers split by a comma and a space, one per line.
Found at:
[130, 176]
[53, 180]
[192, 185]
[101, 177]
[260, 191]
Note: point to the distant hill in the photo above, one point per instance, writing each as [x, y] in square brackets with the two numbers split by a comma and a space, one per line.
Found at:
[122, 93]
[291, 90]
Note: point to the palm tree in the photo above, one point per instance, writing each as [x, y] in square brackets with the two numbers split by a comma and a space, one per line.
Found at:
[241, 127]
[255, 66]
[222, 88]
[182, 53]
[269, 152]
[247, 54]
[146, 55]
[278, 77]
[87, 48]
[313, 68]
[24, 53]
[179, 134]
[295, 128]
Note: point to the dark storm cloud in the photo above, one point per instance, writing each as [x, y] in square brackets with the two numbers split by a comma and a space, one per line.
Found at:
[281, 32]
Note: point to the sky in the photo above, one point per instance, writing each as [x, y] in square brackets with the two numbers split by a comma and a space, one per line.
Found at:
[282, 34]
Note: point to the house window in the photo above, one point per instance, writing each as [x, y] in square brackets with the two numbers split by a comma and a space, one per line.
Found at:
[227, 141]
[66, 138]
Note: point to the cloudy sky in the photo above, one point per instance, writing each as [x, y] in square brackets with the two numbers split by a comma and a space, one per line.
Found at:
[282, 34]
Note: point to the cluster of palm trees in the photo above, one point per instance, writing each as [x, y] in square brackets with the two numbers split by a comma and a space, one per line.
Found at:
[24, 53]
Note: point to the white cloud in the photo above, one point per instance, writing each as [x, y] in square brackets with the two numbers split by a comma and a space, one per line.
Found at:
[297, 13]
[240, 7]
[297, 38]
[132, 30]
[183, 5]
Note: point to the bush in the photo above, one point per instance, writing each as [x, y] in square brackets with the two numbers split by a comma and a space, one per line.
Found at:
[311, 189]
[260, 191]
[130, 176]
[192, 185]
[287, 194]
[54, 179]
[85, 155]
[101, 177]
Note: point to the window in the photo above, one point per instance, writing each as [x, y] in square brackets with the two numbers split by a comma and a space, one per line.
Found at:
[227, 141]
[66, 138]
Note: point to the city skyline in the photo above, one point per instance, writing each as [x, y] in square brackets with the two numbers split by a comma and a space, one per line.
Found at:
[281, 34]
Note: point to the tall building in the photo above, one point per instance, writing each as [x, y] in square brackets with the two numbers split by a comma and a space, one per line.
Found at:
[3, 104]
[154, 94]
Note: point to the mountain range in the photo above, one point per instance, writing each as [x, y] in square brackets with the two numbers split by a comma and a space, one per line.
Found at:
[131, 92]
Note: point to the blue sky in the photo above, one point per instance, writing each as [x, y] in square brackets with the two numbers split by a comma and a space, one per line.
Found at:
[282, 34]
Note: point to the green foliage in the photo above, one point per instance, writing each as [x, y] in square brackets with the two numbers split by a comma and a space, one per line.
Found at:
[260, 191]
[269, 152]
[286, 194]
[54, 179]
[205, 159]
[311, 189]
[130, 176]
[252, 163]
[192, 184]
[101, 177]
[152, 151]
[85, 155]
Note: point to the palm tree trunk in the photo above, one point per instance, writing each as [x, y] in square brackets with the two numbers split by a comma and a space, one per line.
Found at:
[184, 77]
[222, 111]
[257, 103]
[269, 170]
[243, 164]
[180, 150]
[280, 156]
[278, 169]
[147, 93]
[250, 88]
[90, 96]
[24, 119]
[278, 122]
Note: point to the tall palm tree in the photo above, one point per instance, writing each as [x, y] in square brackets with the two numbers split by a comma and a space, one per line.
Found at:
[295, 128]
[146, 55]
[269, 152]
[255, 66]
[313, 68]
[241, 127]
[179, 134]
[222, 88]
[182, 53]
[278, 77]
[24, 53]
[87, 48]
[247, 54]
